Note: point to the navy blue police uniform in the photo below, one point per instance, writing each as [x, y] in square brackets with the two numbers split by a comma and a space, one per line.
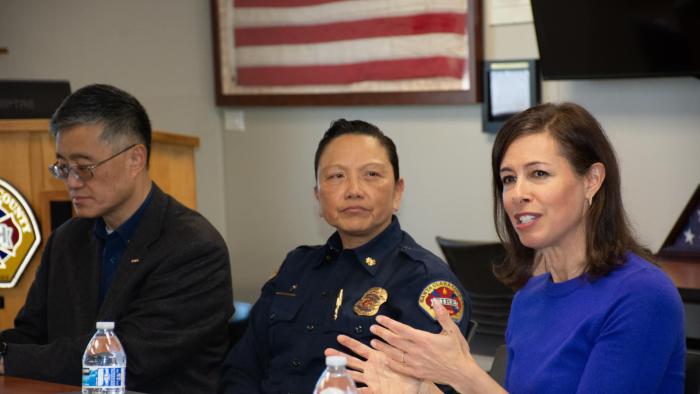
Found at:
[322, 291]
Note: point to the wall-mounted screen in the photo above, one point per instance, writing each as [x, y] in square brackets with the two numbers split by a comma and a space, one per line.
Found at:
[590, 39]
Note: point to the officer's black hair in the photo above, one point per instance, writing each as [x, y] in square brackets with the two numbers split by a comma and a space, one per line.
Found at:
[341, 126]
[118, 111]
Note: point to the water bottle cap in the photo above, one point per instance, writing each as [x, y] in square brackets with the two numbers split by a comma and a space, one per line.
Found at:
[336, 361]
[105, 325]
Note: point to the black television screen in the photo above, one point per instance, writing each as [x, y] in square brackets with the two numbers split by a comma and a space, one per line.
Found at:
[589, 39]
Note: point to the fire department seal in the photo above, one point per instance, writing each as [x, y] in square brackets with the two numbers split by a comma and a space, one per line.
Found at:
[369, 303]
[19, 235]
[447, 294]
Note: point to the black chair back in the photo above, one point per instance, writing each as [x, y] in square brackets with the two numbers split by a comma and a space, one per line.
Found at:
[472, 263]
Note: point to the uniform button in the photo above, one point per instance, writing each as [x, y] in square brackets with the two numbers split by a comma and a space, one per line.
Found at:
[329, 257]
[296, 363]
[310, 327]
[273, 316]
[359, 329]
[324, 294]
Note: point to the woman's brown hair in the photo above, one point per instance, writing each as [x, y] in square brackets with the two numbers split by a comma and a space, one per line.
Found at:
[582, 142]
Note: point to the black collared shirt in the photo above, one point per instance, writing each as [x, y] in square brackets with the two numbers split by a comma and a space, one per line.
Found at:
[114, 245]
[300, 312]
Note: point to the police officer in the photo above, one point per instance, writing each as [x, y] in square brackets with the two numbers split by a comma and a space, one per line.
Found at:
[369, 266]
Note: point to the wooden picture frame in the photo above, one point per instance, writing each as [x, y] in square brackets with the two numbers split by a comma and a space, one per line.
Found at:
[670, 249]
[228, 93]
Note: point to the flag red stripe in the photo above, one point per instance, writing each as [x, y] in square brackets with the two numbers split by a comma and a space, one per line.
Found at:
[280, 3]
[366, 28]
[384, 70]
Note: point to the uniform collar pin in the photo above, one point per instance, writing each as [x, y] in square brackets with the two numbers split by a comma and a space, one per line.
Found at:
[370, 261]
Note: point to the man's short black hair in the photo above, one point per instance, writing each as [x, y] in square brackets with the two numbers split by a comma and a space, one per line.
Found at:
[118, 111]
[342, 126]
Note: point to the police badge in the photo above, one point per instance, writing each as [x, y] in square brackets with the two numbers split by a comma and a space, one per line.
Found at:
[369, 303]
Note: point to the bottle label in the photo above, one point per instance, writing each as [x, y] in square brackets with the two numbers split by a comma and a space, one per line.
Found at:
[103, 377]
[332, 390]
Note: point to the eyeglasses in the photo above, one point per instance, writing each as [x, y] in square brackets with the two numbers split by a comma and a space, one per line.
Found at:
[82, 172]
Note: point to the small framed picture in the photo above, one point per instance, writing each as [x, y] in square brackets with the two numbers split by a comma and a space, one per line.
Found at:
[510, 86]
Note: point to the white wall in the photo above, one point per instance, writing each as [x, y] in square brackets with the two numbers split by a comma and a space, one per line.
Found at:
[257, 184]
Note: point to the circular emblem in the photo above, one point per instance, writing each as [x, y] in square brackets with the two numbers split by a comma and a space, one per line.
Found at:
[19, 235]
[447, 294]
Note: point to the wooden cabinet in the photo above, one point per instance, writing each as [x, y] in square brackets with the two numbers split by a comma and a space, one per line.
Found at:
[27, 149]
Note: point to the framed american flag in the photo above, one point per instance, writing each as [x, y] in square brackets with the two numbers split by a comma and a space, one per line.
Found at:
[347, 52]
[684, 239]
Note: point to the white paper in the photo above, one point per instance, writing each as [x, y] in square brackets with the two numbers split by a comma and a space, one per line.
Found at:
[510, 91]
[506, 12]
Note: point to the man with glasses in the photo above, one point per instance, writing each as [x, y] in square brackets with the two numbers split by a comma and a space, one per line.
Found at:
[133, 255]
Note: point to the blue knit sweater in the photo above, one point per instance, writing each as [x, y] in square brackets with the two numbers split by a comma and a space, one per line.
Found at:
[622, 333]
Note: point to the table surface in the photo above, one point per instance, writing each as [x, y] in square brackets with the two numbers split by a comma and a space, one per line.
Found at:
[13, 385]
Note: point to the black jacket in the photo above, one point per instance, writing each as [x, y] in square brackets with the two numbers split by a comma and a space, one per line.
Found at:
[170, 300]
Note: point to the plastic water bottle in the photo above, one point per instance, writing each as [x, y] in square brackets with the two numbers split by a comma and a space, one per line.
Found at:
[335, 378]
[104, 362]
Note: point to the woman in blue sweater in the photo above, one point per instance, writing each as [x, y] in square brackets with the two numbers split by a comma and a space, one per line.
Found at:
[591, 314]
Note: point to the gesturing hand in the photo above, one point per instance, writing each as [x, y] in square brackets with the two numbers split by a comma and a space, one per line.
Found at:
[442, 358]
[373, 371]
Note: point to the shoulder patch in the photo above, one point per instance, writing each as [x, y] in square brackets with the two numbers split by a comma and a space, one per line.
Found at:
[447, 294]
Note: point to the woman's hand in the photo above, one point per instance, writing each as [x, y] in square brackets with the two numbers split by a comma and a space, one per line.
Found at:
[374, 372]
[441, 358]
